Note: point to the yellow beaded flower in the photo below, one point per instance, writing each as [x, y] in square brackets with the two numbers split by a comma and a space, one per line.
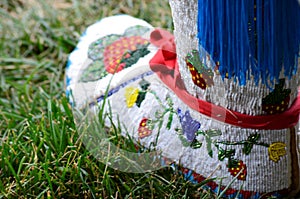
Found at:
[277, 150]
[131, 95]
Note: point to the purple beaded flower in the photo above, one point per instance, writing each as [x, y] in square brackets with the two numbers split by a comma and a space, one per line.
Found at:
[188, 124]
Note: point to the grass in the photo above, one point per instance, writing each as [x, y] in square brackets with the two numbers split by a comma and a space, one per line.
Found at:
[41, 155]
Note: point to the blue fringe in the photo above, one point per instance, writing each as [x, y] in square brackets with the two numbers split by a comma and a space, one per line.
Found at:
[251, 37]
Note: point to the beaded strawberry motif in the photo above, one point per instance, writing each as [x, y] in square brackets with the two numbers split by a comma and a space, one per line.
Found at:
[144, 130]
[237, 168]
[112, 53]
[124, 52]
[201, 75]
[278, 100]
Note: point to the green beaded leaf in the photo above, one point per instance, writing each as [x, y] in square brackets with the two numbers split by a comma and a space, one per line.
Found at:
[277, 95]
[196, 144]
[93, 72]
[96, 49]
[247, 148]
[170, 120]
[194, 59]
[136, 31]
[208, 146]
[228, 153]
[253, 137]
[248, 145]
[150, 124]
[135, 55]
[144, 84]
[208, 137]
[213, 133]
[184, 141]
[140, 98]
[233, 163]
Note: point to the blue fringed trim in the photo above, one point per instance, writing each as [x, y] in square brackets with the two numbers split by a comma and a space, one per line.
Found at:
[251, 37]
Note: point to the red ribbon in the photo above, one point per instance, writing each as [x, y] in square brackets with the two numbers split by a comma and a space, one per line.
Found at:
[165, 65]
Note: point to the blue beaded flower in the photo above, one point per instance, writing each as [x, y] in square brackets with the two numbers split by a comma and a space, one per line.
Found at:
[188, 124]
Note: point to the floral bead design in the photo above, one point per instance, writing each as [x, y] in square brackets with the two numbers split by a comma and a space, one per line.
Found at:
[276, 150]
[278, 100]
[201, 75]
[189, 125]
[131, 95]
[136, 96]
[192, 136]
[113, 53]
[238, 168]
[124, 52]
[144, 129]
